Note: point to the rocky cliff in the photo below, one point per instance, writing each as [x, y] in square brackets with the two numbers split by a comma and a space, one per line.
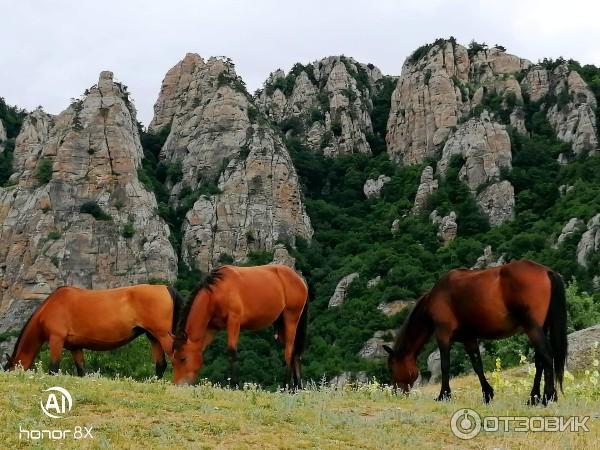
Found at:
[327, 104]
[234, 165]
[2, 136]
[76, 213]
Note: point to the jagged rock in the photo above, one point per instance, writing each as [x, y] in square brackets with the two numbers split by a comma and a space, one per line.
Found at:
[373, 348]
[345, 378]
[497, 201]
[485, 147]
[517, 120]
[395, 226]
[575, 122]
[221, 139]
[282, 256]
[392, 308]
[583, 348]
[488, 259]
[426, 105]
[564, 189]
[569, 229]
[427, 186]
[590, 241]
[339, 295]
[374, 281]
[328, 101]
[90, 153]
[572, 114]
[434, 93]
[29, 145]
[3, 136]
[372, 188]
[596, 282]
[447, 226]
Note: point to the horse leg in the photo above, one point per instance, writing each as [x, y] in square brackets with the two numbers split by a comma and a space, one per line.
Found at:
[444, 345]
[233, 335]
[542, 348]
[290, 320]
[79, 361]
[535, 395]
[472, 348]
[158, 356]
[56, 344]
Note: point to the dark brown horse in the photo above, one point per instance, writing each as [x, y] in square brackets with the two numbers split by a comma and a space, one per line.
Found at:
[77, 319]
[235, 298]
[467, 305]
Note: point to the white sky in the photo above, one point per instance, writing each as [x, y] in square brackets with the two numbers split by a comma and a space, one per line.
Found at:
[53, 50]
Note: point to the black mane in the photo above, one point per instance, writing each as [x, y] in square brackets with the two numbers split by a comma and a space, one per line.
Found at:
[415, 315]
[207, 284]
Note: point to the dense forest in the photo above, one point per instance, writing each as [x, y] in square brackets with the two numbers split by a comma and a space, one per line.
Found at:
[353, 234]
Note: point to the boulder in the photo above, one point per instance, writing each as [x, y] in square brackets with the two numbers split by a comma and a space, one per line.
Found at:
[497, 201]
[427, 186]
[282, 256]
[3, 137]
[590, 241]
[372, 188]
[373, 348]
[583, 349]
[392, 308]
[447, 226]
[488, 259]
[570, 228]
[339, 295]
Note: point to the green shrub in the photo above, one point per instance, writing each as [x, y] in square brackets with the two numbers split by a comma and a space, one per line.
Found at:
[91, 207]
[43, 171]
[128, 230]
[53, 235]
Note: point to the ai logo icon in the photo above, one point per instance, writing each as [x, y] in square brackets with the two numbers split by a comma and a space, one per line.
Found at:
[58, 402]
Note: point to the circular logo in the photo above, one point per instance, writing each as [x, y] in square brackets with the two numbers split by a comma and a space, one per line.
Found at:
[58, 402]
[465, 423]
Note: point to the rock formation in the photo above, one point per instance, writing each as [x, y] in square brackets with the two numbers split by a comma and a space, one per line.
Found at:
[570, 105]
[488, 259]
[282, 256]
[339, 295]
[327, 104]
[583, 348]
[373, 348]
[3, 137]
[590, 241]
[497, 201]
[427, 186]
[392, 308]
[570, 228]
[234, 165]
[78, 214]
[372, 188]
[447, 226]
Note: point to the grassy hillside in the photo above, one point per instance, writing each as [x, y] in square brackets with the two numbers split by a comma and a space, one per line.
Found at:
[128, 414]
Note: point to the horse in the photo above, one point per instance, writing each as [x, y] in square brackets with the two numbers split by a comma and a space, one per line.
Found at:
[233, 298]
[467, 305]
[76, 319]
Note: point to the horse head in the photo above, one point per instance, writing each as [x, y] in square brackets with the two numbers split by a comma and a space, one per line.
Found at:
[403, 368]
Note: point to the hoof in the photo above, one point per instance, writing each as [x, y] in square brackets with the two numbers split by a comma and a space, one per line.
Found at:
[443, 397]
[488, 396]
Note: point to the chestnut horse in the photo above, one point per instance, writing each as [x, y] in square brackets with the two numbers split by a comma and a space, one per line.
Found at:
[467, 305]
[235, 298]
[78, 319]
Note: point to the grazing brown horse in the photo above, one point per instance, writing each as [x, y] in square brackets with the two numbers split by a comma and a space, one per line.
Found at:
[235, 298]
[78, 319]
[467, 305]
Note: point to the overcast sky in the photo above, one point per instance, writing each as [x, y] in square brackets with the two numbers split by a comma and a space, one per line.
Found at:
[51, 51]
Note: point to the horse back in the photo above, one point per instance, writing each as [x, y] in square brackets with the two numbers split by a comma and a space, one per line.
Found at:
[494, 298]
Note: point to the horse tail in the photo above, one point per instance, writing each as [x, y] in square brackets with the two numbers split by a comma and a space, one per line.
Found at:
[301, 329]
[556, 322]
[178, 305]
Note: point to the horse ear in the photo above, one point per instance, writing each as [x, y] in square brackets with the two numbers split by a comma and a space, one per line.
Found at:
[388, 349]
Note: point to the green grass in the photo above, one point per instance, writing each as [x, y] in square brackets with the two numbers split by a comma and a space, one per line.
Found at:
[130, 414]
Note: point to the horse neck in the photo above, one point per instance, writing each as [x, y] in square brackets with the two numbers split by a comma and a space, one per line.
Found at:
[199, 316]
[28, 344]
[415, 332]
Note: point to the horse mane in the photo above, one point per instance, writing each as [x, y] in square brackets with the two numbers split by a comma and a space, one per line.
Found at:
[414, 315]
[207, 284]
